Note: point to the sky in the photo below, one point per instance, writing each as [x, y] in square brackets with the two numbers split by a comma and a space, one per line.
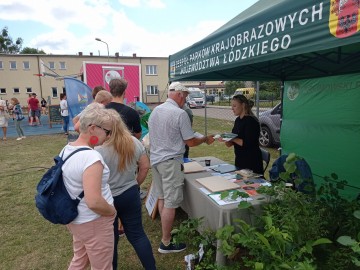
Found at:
[149, 28]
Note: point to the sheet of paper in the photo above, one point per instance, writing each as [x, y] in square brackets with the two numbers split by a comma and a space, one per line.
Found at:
[227, 200]
[217, 183]
[193, 166]
[204, 190]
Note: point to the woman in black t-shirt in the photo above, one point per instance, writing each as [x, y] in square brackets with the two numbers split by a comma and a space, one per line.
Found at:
[246, 144]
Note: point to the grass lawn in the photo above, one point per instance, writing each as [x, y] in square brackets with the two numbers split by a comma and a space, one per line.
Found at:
[28, 241]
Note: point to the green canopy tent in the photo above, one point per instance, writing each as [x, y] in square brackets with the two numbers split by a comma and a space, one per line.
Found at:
[310, 45]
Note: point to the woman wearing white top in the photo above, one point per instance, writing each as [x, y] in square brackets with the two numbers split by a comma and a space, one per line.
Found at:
[92, 230]
[3, 120]
[64, 112]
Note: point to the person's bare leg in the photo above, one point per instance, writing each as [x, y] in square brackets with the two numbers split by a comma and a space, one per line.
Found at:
[160, 205]
[4, 132]
[167, 220]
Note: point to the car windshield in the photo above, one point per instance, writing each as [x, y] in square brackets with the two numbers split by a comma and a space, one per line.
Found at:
[196, 95]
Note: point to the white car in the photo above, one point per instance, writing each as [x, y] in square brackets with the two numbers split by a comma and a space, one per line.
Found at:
[195, 100]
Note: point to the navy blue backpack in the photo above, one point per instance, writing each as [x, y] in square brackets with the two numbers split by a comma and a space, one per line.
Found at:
[304, 173]
[52, 199]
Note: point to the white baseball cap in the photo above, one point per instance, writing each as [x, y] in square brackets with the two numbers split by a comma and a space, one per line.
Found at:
[176, 86]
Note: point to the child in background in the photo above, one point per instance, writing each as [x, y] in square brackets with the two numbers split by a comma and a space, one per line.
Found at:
[17, 111]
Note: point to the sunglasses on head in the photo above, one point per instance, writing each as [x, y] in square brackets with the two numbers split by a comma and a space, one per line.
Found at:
[107, 132]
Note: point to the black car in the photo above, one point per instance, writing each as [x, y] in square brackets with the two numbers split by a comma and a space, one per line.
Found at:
[270, 126]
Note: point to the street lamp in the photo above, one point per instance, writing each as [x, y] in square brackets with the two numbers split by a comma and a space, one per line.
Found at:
[98, 39]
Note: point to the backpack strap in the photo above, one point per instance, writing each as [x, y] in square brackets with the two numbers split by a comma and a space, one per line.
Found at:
[74, 152]
[81, 195]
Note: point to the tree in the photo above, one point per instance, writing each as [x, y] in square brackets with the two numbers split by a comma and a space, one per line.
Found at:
[270, 90]
[231, 86]
[28, 50]
[6, 43]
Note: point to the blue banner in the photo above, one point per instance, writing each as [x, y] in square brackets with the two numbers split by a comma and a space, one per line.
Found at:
[78, 97]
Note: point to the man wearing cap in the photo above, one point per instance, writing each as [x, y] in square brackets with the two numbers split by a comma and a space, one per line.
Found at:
[35, 110]
[169, 131]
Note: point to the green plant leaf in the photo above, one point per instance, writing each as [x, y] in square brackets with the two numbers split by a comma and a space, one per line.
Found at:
[259, 266]
[291, 157]
[224, 194]
[244, 205]
[285, 266]
[357, 214]
[334, 176]
[321, 241]
[346, 240]
[263, 239]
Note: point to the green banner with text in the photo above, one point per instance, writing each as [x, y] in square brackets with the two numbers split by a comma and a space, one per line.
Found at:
[321, 123]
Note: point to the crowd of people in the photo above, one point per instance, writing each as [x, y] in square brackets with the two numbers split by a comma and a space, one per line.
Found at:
[13, 110]
[110, 174]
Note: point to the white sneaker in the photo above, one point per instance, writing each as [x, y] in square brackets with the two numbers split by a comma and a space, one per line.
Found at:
[23, 137]
[18, 139]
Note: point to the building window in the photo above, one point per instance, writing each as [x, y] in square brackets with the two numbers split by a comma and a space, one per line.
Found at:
[62, 65]
[64, 90]
[151, 90]
[12, 64]
[52, 65]
[28, 90]
[2, 90]
[1, 65]
[151, 70]
[54, 92]
[16, 90]
[26, 65]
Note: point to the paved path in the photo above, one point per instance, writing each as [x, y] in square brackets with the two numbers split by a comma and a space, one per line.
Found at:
[33, 130]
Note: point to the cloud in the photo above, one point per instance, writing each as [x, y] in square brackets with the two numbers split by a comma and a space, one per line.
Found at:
[155, 4]
[130, 3]
[73, 28]
[139, 3]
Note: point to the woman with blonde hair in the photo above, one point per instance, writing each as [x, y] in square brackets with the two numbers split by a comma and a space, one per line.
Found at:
[92, 230]
[246, 144]
[18, 118]
[129, 164]
[4, 120]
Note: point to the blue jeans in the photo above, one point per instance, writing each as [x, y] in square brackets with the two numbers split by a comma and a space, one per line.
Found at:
[19, 129]
[66, 123]
[128, 207]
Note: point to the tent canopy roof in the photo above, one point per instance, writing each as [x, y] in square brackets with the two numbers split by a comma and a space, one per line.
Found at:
[277, 40]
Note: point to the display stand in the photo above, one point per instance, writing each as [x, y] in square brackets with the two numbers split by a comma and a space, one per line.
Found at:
[54, 115]
[151, 202]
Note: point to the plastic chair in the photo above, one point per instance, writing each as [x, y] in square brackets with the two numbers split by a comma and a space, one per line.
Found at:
[266, 157]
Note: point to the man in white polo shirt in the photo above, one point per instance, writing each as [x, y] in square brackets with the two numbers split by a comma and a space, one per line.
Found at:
[169, 131]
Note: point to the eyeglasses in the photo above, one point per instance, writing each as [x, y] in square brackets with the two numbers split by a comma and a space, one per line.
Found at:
[107, 132]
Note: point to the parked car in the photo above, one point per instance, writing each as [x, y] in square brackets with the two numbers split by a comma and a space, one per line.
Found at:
[210, 98]
[195, 98]
[225, 97]
[270, 126]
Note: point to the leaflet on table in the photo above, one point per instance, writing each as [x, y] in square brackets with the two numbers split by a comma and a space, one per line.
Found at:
[223, 168]
[228, 200]
[228, 136]
[205, 191]
[251, 189]
[262, 182]
[227, 176]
